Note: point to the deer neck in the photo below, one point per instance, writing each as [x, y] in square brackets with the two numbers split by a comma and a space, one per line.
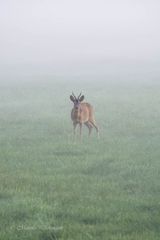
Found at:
[77, 112]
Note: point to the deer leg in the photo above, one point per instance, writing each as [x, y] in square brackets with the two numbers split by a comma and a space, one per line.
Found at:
[80, 125]
[93, 124]
[74, 128]
[89, 125]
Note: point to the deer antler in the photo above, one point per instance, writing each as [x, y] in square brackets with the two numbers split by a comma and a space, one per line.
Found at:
[73, 95]
[79, 95]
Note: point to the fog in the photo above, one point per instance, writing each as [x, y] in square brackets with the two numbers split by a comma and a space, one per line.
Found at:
[88, 37]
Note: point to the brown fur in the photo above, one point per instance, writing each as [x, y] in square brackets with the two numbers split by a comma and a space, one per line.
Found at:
[84, 115]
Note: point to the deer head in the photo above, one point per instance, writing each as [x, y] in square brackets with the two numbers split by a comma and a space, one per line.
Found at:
[76, 100]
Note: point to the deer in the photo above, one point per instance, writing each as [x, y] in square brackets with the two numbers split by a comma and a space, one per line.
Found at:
[82, 113]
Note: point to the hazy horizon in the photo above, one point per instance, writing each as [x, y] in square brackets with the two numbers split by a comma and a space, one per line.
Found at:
[80, 38]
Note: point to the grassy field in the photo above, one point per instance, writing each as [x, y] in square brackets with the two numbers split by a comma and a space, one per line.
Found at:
[54, 188]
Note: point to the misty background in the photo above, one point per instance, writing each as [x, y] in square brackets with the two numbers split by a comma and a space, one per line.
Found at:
[118, 38]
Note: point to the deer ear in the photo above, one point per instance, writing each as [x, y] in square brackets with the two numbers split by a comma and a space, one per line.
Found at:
[72, 98]
[81, 98]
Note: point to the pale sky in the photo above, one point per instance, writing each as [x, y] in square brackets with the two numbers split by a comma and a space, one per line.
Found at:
[79, 37]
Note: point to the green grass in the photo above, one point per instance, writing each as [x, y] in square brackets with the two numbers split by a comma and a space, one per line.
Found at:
[54, 188]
